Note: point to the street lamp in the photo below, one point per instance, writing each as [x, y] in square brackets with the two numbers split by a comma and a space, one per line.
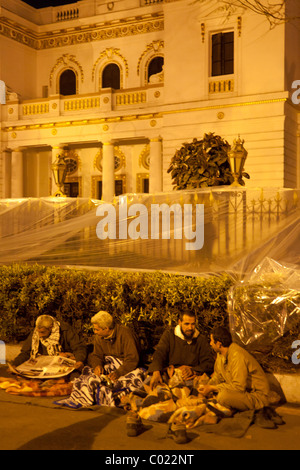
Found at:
[237, 157]
[59, 170]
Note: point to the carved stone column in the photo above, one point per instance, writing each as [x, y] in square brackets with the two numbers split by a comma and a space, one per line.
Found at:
[108, 172]
[155, 173]
[17, 177]
[6, 172]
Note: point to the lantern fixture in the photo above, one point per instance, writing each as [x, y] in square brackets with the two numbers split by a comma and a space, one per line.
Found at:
[237, 157]
[59, 170]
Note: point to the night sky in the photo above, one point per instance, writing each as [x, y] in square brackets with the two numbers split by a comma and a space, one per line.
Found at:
[48, 3]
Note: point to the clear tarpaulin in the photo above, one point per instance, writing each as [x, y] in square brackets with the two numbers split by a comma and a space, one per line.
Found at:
[233, 230]
[265, 305]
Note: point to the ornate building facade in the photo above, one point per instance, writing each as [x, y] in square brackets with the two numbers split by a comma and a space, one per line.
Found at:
[118, 86]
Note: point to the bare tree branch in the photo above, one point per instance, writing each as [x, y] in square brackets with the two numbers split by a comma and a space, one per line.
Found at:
[273, 10]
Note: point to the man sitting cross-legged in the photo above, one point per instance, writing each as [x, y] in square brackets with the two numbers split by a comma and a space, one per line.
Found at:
[238, 381]
[182, 348]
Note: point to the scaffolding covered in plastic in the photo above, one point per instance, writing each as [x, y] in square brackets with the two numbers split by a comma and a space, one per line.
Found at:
[240, 228]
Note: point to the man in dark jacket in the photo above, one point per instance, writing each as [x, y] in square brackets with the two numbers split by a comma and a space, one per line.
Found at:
[183, 348]
[113, 340]
[52, 338]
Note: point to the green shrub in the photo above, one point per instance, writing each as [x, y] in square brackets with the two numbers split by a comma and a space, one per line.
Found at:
[201, 163]
[148, 302]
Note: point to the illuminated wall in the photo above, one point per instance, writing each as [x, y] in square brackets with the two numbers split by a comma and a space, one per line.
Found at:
[145, 121]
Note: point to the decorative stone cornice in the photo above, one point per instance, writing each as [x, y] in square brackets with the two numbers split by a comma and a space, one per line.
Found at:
[135, 117]
[60, 38]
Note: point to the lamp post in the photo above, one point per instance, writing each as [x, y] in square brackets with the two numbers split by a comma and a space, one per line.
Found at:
[237, 157]
[59, 170]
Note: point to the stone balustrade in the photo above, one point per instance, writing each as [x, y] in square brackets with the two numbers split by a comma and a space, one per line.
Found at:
[105, 101]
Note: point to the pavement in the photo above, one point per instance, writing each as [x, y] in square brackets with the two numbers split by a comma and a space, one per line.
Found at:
[36, 423]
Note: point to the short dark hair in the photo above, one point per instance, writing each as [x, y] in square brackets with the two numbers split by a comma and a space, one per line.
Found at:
[186, 312]
[221, 334]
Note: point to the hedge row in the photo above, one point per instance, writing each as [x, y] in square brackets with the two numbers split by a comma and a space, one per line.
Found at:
[148, 302]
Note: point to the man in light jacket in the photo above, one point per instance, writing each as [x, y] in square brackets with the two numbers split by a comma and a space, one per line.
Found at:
[238, 379]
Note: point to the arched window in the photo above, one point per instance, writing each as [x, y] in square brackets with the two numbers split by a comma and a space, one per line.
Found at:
[67, 83]
[155, 66]
[111, 77]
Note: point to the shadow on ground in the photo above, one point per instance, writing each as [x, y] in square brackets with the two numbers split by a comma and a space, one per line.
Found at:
[77, 436]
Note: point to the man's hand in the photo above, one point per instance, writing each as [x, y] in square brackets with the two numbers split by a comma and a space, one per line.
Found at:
[155, 380]
[67, 354]
[207, 389]
[113, 376]
[187, 372]
[99, 370]
[78, 365]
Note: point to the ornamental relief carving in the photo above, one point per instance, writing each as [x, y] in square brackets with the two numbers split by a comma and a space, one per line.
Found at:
[65, 61]
[120, 159]
[60, 38]
[155, 47]
[144, 159]
[111, 55]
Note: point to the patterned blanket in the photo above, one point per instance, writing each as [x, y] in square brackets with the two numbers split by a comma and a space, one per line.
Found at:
[176, 402]
[36, 388]
[90, 389]
[181, 402]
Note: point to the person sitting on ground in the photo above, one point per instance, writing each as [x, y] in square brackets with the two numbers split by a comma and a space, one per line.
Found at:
[112, 341]
[238, 380]
[52, 338]
[112, 369]
[182, 348]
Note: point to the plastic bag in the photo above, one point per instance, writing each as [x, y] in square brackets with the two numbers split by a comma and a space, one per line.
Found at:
[264, 307]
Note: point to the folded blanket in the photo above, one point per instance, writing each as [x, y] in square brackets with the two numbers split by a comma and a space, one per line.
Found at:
[159, 412]
[176, 401]
[90, 389]
[36, 388]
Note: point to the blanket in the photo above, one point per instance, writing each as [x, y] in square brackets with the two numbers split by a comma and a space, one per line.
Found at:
[176, 401]
[181, 402]
[35, 388]
[90, 389]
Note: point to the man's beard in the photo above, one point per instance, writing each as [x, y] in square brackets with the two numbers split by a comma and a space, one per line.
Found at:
[189, 335]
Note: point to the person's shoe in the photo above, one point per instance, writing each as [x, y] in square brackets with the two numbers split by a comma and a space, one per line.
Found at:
[178, 433]
[134, 425]
[273, 416]
[219, 410]
[263, 420]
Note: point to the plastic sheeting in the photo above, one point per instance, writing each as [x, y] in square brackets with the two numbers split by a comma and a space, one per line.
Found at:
[241, 227]
[265, 305]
